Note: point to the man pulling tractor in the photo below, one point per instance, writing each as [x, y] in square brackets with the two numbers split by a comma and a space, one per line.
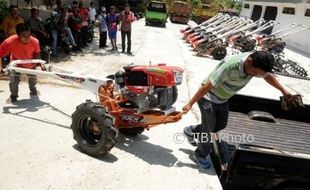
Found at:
[131, 100]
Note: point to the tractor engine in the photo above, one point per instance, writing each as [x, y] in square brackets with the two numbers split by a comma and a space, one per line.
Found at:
[149, 87]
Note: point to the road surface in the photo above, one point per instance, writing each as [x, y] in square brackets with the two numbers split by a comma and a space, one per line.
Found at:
[37, 147]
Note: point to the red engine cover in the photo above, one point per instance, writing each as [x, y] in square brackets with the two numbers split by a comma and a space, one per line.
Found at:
[159, 75]
[139, 89]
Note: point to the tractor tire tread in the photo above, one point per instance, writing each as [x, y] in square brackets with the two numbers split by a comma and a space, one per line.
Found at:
[109, 131]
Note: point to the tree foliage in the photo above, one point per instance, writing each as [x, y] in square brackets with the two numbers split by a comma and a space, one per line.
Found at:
[231, 4]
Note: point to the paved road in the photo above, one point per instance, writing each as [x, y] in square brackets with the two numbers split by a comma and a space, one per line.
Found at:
[37, 148]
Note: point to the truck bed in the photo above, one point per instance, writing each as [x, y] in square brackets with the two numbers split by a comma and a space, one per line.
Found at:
[263, 152]
[284, 135]
[289, 136]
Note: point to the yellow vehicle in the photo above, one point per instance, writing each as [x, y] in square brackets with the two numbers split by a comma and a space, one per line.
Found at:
[180, 11]
[202, 11]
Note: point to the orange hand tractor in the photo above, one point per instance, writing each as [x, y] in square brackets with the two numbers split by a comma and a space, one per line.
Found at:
[131, 100]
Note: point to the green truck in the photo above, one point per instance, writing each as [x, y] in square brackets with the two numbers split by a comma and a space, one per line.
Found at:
[156, 13]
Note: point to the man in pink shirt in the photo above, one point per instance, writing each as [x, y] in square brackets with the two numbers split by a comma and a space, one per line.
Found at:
[21, 46]
[127, 17]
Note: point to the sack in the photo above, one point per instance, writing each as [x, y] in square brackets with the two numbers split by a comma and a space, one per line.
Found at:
[291, 102]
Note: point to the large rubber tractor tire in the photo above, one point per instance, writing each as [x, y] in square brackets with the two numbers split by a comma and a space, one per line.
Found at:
[219, 53]
[131, 131]
[93, 129]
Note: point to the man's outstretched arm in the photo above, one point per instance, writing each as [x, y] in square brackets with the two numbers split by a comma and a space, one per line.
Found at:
[271, 79]
[199, 94]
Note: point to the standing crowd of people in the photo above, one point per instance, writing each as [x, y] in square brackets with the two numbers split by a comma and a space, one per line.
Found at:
[71, 24]
[25, 39]
[109, 25]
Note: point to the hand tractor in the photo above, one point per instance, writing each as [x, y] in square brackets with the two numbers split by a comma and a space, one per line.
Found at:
[216, 25]
[212, 21]
[223, 28]
[131, 100]
[215, 45]
[209, 30]
[274, 42]
[244, 41]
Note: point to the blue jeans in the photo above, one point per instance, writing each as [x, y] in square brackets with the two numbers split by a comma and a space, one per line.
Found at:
[54, 33]
[213, 119]
[69, 36]
[68, 30]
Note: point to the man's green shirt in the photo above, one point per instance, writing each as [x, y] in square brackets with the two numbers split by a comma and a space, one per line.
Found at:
[227, 79]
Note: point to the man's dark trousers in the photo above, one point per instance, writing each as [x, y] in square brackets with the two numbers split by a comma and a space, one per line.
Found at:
[128, 34]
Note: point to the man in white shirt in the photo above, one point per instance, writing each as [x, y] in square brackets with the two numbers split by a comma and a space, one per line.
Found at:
[103, 28]
[92, 12]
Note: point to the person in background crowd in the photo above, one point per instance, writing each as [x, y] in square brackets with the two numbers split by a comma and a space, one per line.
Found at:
[103, 28]
[9, 27]
[83, 12]
[54, 32]
[126, 17]
[92, 13]
[37, 27]
[62, 26]
[112, 22]
[58, 6]
[11, 21]
[21, 46]
[74, 22]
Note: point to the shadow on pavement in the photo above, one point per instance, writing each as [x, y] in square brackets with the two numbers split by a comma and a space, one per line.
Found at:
[109, 158]
[150, 153]
[33, 105]
[61, 57]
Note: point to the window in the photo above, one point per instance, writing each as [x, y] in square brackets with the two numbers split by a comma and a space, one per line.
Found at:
[307, 12]
[289, 10]
[157, 7]
[246, 6]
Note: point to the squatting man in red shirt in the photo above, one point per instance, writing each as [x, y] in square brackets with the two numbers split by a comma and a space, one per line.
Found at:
[21, 46]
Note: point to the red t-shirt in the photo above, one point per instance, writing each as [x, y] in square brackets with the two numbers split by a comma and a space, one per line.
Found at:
[18, 50]
[84, 13]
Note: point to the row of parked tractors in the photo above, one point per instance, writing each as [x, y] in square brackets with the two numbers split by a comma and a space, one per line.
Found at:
[213, 37]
